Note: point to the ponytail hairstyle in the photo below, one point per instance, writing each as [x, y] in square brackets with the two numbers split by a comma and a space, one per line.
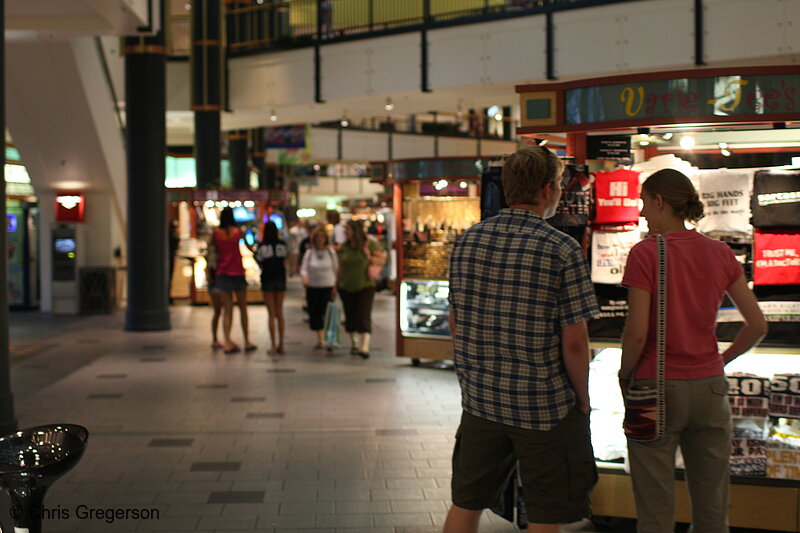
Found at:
[677, 191]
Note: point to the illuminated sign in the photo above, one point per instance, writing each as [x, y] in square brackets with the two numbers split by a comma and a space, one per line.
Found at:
[684, 97]
[70, 207]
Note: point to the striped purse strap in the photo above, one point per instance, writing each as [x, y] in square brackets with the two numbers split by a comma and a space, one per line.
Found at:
[661, 335]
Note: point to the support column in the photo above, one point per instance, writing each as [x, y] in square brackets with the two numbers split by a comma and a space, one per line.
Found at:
[145, 103]
[207, 63]
[237, 155]
[8, 422]
[576, 147]
[258, 157]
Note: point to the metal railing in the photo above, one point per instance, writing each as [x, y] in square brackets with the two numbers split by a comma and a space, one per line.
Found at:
[254, 25]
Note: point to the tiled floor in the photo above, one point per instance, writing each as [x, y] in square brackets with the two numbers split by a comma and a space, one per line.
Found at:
[211, 442]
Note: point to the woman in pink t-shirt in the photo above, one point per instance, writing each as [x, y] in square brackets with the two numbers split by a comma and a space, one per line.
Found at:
[229, 279]
[700, 271]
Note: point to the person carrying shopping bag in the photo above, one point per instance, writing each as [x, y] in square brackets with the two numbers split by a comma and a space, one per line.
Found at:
[318, 270]
[355, 288]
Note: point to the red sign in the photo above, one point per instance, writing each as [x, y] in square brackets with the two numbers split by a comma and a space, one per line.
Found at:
[70, 206]
[776, 258]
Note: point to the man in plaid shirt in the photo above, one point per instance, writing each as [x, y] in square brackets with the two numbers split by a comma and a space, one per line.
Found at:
[520, 296]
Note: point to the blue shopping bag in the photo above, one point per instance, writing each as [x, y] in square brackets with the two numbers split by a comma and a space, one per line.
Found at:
[331, 327]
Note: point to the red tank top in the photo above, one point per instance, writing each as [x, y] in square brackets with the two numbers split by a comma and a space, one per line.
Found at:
[229, 259]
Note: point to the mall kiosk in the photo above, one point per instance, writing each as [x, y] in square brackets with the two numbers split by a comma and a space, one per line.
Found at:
[754, 210]
[434, 201]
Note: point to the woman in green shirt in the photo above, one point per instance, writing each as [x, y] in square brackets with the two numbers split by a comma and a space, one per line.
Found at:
[355, 288]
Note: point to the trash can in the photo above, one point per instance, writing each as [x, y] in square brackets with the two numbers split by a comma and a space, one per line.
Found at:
[98, 290]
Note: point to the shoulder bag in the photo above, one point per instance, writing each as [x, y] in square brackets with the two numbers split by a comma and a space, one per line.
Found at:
[645, 407]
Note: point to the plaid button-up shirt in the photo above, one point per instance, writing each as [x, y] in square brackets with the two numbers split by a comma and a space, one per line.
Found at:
[514, 282]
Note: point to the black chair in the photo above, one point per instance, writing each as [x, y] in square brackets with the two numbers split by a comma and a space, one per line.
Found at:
[31, 460]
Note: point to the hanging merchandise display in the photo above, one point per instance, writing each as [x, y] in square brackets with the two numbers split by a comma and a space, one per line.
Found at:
[725, 195]
[613, 303]
[575, 206]
[617, 197]
[776, 199]
[609, 254]
[776, 257]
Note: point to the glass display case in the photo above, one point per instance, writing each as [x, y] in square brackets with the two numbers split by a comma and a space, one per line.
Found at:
[431, 214]
[776, 483]
[424, 310]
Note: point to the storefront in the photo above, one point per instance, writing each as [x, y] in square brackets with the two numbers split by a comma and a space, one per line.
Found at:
[434, 202]
[22, 233]
[626, 127]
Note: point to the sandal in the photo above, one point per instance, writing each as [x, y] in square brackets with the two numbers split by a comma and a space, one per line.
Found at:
[353, 351]
[250, 348]
[217, 346]
[234, 348]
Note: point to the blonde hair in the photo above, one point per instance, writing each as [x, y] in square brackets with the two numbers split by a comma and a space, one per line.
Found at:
[313, 236]
[526, 172]
[677, 191]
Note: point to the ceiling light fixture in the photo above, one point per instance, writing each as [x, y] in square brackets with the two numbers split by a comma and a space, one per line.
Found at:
[273, 116]
[667, 136]
[389, 104]
[725, 152]
[687, 142]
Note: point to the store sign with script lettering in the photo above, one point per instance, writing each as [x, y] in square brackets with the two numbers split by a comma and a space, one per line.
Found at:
[774, 94]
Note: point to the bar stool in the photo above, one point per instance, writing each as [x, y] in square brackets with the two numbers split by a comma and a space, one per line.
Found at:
[30, 461]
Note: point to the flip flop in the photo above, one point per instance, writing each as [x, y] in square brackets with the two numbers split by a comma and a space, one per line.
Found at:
[233, 349]
[217, 346]
[250, 348]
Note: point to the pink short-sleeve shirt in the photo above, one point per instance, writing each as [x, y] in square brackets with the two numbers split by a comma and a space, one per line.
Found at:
[699, 271]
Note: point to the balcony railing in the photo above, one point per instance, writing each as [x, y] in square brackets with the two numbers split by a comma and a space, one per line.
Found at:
[254, 25]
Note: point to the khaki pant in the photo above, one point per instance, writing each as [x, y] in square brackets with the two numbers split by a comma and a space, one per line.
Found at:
[699, 419]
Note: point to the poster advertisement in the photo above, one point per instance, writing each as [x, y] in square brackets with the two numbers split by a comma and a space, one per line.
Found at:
[784, 398]
[783, 459]
[610, 253]
[748, 395]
